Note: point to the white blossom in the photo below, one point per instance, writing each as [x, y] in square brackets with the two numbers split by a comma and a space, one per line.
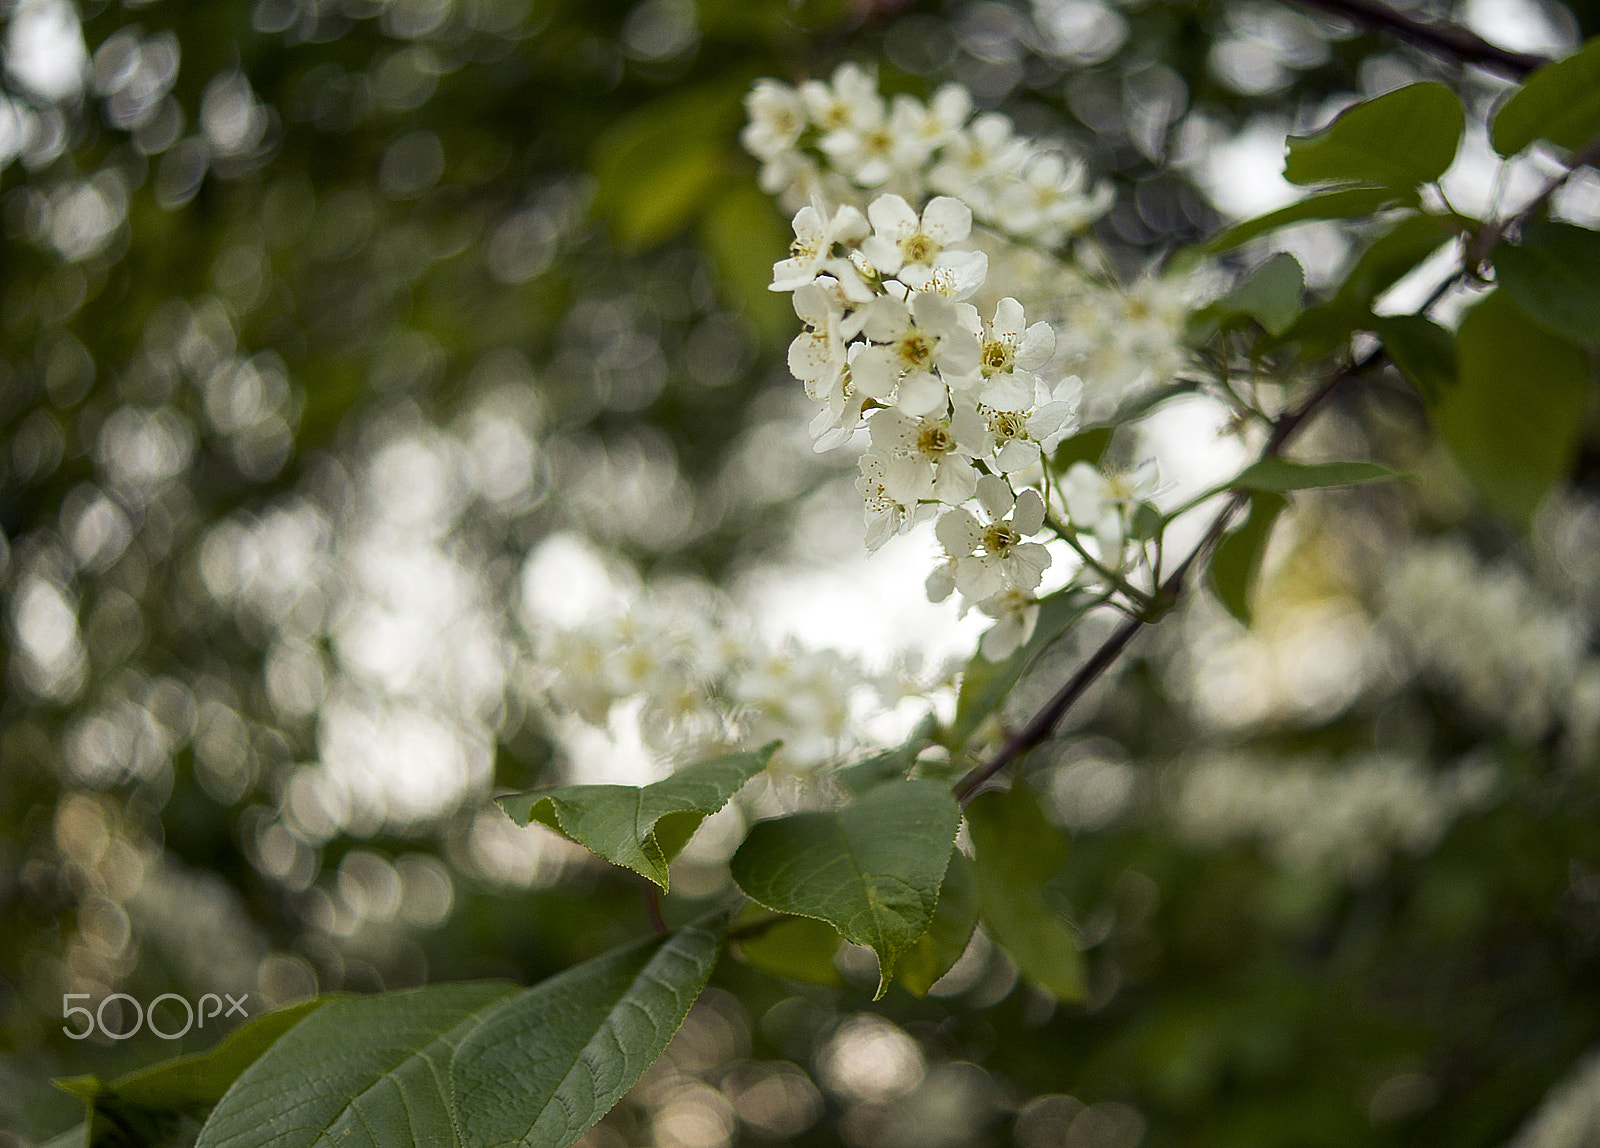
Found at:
[777, 117]
[914, 249]
[994, 557]
[946, 445]
[811, 253]
[911, 342]
[1050, 200]
[1015, 614]
[1100, 502]
[893, 489]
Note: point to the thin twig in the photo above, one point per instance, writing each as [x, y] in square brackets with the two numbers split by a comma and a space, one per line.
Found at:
[1043, 723]
[1447, 39]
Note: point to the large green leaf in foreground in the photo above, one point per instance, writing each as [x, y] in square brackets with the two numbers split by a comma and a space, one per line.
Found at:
[471, 1064]
[871, 870]
[1399, 140]
[641, 828]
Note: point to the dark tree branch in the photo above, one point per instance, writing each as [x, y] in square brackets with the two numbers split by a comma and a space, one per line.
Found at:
[1447, 39]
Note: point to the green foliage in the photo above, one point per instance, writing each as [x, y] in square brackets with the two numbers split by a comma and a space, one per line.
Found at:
[1424, 351]
[872, 870]
[740, 230]
[471, 1064]
[985, 684]
[1235, 567]
[891, 764]
[656, 167]
[1342, 203]
[641, 828]
[1550, 272]
[1399, 249]
[1281, 475]
[1271, 295]
[954, 919]
[800, 948]
[1085, 446]
[1515, 415]
[1015, 853]
[1399, 140]
[1560, 103]
[158, 1099]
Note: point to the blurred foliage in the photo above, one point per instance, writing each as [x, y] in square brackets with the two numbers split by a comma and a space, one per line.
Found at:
[277, 260]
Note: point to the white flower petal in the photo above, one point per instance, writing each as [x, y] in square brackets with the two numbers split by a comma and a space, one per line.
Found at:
[941, 582]
[1028, 517]
[995, 497]
[922, 394]
[954, 480]
[1008, 320]
[946, 220]
[1036, 346]
[1024, 565]
[958, 532]
[978, 576]
[875, 372]
[892, 218]
[1008, 393]
[1018, 454]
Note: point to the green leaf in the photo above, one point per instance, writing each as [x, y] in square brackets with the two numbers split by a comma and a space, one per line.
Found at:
[655, 168]
[1085, 446]
[954, 918]
[641, 828]
[744, 235]
[1281, 475]
[891, 764]
[1015, 852]
[1424, 351]
[1515, 416]
[1344, 203]
[471, 1064]
[1271, 294]
[151, 1104]
[985, 684]
[800, 948]
[1387, 260]
[1236, 565]
[872, 870]
[1560, 102]
[1553, 273]
[1399, 140]
[187, 1083]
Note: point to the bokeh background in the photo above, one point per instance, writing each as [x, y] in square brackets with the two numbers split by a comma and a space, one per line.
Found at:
[356, 353]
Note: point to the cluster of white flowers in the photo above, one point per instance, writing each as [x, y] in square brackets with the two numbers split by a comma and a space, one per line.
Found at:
[1344, 820]
[954, 408]
[1488, 635]
[711, 685]
[829, 139]
[960, 404]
